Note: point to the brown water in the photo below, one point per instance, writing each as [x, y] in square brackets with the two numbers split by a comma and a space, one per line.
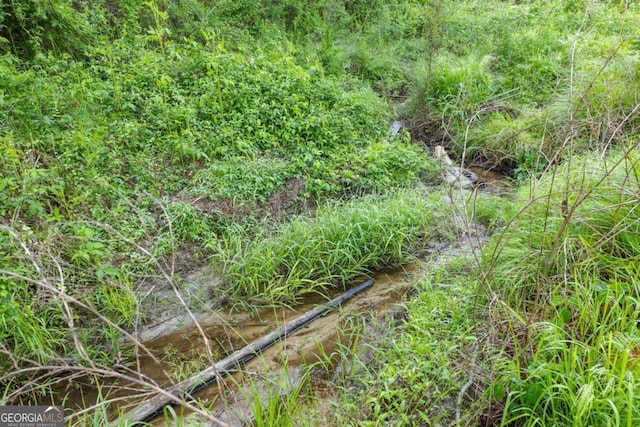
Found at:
[490, 181]
[304, 347]
[185, 351]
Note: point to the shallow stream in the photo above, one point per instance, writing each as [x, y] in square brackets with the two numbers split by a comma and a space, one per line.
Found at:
[184, 351]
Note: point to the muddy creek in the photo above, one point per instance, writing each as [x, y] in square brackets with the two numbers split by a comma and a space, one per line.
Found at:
[185, 351]
[180, 346]
[492, 182]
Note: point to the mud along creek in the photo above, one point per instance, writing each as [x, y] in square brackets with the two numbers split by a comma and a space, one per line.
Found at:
[183, 351]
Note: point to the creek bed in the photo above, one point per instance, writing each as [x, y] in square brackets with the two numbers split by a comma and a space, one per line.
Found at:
[184, 351]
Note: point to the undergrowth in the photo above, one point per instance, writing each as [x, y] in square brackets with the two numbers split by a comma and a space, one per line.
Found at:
[115, 166]
[416, 371]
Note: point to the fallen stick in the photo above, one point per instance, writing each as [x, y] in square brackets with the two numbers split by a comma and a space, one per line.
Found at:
[190, 386]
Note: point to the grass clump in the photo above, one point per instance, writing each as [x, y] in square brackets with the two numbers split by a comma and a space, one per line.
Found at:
[581, 380]
[341, 242]
[581, 214]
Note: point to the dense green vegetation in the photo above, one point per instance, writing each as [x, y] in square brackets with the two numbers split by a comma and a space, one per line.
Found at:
[340, 244]
[254, 135]
[578, 293]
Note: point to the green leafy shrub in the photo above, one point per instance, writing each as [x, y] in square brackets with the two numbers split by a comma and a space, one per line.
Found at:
[384, 165]
[386, 74]
[242, 180]
[31, 26]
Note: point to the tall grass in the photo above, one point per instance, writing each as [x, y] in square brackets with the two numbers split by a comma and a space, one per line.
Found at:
[510, 95]
[278, 401]
[581, 380]
[582, 214]
[567, 266]
[342, 242]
